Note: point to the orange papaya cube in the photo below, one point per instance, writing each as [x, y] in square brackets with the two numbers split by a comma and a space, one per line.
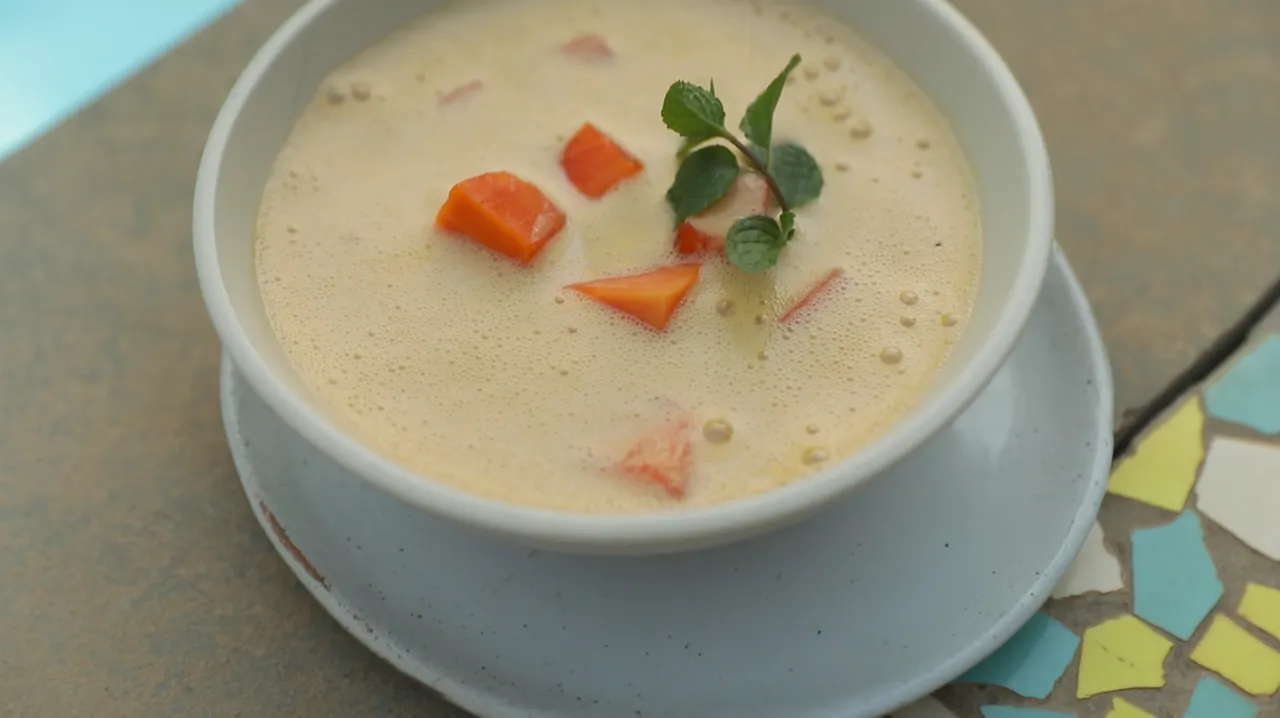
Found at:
[652, 297]
[595, 163]
[663, 456]
[502, 212]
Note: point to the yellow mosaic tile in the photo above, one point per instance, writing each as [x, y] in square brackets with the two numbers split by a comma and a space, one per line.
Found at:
[1119, 654]
[1261, 607]
[1233, 653]
[1163, 467]
[1121, 708]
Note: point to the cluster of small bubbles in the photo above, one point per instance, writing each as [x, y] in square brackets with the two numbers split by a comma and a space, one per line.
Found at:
[891, 355]
[717, 431]
[814, 455]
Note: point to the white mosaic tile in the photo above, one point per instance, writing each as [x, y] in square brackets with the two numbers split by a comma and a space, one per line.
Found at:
[1239, 489]
[1095, 570]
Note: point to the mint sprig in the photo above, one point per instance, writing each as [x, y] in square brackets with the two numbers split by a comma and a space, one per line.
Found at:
[753, 244]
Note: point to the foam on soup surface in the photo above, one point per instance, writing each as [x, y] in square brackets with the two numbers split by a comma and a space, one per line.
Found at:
[489, 375]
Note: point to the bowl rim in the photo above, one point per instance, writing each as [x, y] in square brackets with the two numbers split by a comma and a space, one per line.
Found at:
[630, 532]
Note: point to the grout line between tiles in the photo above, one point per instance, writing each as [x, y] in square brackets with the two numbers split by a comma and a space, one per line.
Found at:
[1222, 348]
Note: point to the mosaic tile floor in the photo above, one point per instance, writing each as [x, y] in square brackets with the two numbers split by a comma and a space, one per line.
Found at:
[1180, 614]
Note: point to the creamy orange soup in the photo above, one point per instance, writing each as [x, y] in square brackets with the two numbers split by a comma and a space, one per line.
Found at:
[492, 376]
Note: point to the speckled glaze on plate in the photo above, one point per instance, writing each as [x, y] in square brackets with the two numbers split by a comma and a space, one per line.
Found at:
[852, 614]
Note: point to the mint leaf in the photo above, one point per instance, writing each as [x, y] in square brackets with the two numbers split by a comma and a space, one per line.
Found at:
[754, 243]
[788, 224]
[703, 179]
[797, 174]
[757, 123]
[692, 112]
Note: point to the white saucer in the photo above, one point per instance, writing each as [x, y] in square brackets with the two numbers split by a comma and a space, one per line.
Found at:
[855, 613]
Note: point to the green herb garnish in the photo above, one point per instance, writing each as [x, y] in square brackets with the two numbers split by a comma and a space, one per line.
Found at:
[706, 175]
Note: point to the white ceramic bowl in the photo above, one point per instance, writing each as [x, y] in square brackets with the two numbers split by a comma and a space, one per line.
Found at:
[928, 39]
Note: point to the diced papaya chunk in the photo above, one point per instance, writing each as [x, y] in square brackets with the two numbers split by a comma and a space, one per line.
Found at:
[652, 297]
[595, 164]
[461, 92]
[691, 240]
[663, 456]
[812, 295]
[705, 231]
[588, 47]
[503, 212]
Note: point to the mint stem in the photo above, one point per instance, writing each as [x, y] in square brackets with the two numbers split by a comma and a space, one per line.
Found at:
[759, 167]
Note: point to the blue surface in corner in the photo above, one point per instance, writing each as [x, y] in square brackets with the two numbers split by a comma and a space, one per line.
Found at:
[57, 56]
